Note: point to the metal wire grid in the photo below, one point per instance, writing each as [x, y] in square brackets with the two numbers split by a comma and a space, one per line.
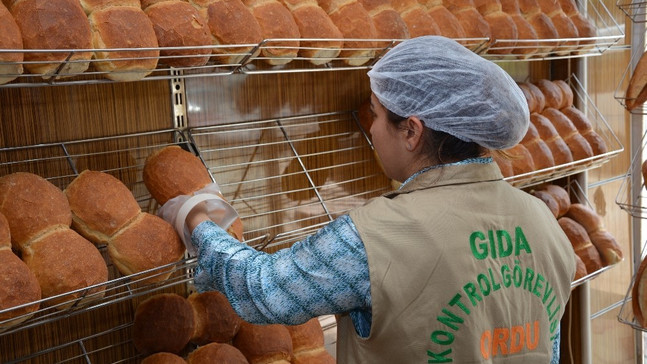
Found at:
[634, 206]
[585, 104]
[626, 314]
[251, 59]
[635, 10]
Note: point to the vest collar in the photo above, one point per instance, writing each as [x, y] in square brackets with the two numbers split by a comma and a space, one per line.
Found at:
[451, 175]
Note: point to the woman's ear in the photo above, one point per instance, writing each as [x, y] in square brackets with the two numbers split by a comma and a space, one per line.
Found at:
[414, 132]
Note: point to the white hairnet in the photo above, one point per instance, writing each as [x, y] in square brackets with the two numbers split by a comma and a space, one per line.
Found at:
[451, 89]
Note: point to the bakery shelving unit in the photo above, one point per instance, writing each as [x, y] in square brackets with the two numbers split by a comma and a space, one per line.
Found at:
[287, 173]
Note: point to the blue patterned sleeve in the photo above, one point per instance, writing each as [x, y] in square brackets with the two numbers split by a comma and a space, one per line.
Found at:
[325, 273]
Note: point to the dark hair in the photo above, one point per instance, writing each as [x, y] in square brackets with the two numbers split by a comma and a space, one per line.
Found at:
[440, 146]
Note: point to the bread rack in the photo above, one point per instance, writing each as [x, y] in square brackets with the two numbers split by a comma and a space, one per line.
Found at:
[626, 315]
[635, 10]
[253, 61]
[634, 207]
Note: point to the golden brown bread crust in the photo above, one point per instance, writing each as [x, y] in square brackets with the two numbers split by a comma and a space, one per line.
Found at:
[472, 22]
[354, 22]
[558, 148]
[540, 99]
[636, 94]
[607, 246]
[560, 195]
[567, 93]
[178, 24]
[448, 24]
[215, 319]
[505, 164]
[538, 149]
[545, 29]
[5, 234]
[264, 343]
[639, 294]
[580, 148]
[504, 30]
[66, 28]
[521, 159]
[163, 358]
[147, 242]
[581, 243]
[64, 261]
[549, 200]
[10, 38]
[580, 268]
[308, 343]
[231, 23]
[314, 23]
[418, 20]
[530, 98]
[276, 22]
[101, 205]
[216, 353]
[578, 118]
[315, 356]
[92, 5]
[585, 216]
[162, 323]
[552, 93]
[389, 24]
[123, 27]
[32, 205]
[18, 286]
[585, 29]
[527, 44]
[565, 28]
[172, 171]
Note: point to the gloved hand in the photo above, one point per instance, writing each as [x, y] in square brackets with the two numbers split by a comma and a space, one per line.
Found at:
[176, 210]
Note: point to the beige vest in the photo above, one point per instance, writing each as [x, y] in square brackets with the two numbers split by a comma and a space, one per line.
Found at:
[464, 268]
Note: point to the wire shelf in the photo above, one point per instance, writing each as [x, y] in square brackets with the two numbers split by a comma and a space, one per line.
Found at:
[635, 10]
[626, 314]
[251, 58]
[634, 206]
[585, 104]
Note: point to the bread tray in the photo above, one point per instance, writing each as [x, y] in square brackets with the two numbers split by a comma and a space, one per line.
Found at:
[585, 104]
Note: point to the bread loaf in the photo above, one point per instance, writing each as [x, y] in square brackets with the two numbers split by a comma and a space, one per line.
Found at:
[580, 148]
[18, 285]
[584, 126]
[418, 20]
[549, 200]
[147, 242]
[560, 195]
[163, 358]
[542, 24]
[355, 24]
[558, 148]
[63, 261]
[216, 353]
[10, 38]
[472, 22]
[539, 97]
[177, 24]
[530, 98]
[91, 5]
[580, 268]
[567, 93]
[639, 294]
[123, 27]
[172, 171]
[581, 243]
[101, 205]
[448, 24]
[563, 24]
[585, 27]
[162, 323]
[314, 23]
[538, 149]
[32, 205]
[521, 159]
[276, 22]
[636, 94]
[527, 44]
[308, 344]
[388, 22]
[66, 28]
[552, 93]
[504, 163]
[232, 23]
[606, 244]
[502, 27]
[262, 344]
[215, 319]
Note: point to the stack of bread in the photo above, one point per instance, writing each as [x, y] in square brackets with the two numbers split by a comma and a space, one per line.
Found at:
[63, 261]
[172, 171]
[472, 22]
[503, 28]
[10, 38]
[448, 24]
[276, 22]
[231, 23]
[181, 32]
[540, 22]
[308, 343]
[356, 51]
[105, 212]
[66, 28]
[121, 24]
[592, 243]
[18, 284]
[559, 132]
[527, 44]
[416, 17]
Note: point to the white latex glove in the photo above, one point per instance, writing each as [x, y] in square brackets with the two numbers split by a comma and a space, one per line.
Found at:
[175, 211]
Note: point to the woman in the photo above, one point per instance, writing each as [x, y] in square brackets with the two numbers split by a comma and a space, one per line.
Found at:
[454, 266]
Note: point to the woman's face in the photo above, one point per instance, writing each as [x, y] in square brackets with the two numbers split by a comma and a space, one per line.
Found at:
[387, 140]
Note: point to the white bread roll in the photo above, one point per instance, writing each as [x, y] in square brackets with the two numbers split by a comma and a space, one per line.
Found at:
[123, 27]
[178, 24]
[318, 32]
[67, 28]
[10, 38]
